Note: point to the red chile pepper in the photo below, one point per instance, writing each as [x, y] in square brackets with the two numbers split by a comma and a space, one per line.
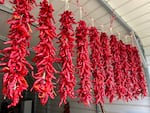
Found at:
[129, 76]
[131, 79]
[67, 79]
[45, 54]
[16, 66]
[126, 70]
[97, 65]
[83, 64]
[109, 73]
[1, 1]
[115, 50]
[140, 87]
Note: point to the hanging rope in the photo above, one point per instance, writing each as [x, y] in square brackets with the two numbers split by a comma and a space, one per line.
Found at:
[102, 108]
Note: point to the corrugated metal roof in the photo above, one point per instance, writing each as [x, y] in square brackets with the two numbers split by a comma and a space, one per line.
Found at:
[137, 15]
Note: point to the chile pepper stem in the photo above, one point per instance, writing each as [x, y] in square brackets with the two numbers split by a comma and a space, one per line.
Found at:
[44, 76]
[15, 86]
[4, 97]
[54, 93]
[29, 28]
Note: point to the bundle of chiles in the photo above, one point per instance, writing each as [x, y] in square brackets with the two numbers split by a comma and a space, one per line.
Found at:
[83, 64]
[67, 79]
[45, 54]
[97, 65]
[14, 60]
[131, 81]
[115, 50]
[128, 73]
[109, 74]
[138, 75]
[127, 95]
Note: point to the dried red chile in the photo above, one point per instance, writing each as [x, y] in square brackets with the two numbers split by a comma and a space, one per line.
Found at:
[83, 64]
[108, 67]
[45, 54]
[14, 60]
[97, 65]
[67, 79]
[138, 74]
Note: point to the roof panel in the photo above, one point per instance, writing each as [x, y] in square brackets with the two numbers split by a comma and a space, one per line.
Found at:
[140, 20]
[144, 33]
[145, 42]
[131, 6]
[118, 3]
[92, 4]
[147, 51]
[137, 13]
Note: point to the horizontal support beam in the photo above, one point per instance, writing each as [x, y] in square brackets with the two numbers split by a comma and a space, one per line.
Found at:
[146, 46]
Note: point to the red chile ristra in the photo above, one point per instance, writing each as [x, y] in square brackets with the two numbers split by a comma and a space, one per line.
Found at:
[45, 54]
[14, 62]
[83, 64]
[139, 77]
[67, 79]
[97, 65]
[109, 74]
[117, 67]
[129, 75]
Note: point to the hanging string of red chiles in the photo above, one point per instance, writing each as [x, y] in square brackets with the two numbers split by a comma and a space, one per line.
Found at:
[45, 54]
[140, 88]
[14, 60]
[83, 64]
[107, 60]
[97, 65]
[124, 68]
[128, 80]
[115, 66]
[67, 79]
